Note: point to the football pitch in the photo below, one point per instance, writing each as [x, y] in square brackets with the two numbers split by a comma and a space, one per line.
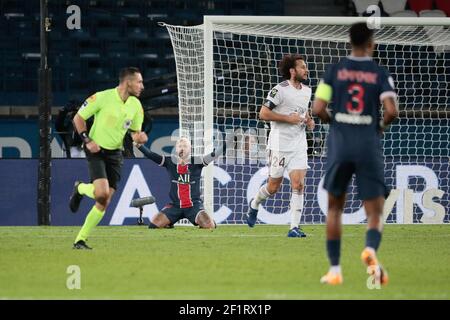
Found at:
[231, 262]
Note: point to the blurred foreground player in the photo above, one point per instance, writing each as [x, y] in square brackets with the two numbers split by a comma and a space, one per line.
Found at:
[116, 111]
[355, 86]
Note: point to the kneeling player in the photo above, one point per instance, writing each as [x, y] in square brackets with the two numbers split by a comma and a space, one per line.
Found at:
[185, 173]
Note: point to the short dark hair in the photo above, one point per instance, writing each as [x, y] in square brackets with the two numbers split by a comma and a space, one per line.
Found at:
[287, 63]
[360, 34]
[128, 71]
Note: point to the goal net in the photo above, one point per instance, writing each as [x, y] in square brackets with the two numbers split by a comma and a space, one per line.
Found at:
[227, 66]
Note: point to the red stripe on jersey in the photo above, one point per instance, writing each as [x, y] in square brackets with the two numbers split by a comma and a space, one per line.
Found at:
[184, 190]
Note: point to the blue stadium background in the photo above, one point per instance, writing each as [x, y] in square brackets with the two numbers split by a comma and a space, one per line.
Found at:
[121, 33]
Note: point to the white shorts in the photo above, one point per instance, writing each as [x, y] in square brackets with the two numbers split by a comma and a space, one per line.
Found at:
[281, 160]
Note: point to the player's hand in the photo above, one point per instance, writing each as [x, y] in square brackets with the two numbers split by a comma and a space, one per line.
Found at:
[310, 124]
[294, 118]
[140, 138]
[92, 147]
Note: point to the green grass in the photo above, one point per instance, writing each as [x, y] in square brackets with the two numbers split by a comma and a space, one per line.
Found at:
[231, 262]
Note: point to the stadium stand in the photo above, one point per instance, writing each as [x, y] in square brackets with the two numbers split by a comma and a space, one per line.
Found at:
[443, 5]
[392, 6]
[361, 5]
[419, 5]
[113, 34]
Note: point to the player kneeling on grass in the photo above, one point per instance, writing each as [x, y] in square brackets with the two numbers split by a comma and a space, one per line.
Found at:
[185, 173]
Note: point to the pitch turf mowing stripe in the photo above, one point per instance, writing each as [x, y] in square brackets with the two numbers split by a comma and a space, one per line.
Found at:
[232, 262]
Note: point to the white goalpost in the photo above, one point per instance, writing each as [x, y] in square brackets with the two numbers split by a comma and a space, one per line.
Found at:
[226, 67]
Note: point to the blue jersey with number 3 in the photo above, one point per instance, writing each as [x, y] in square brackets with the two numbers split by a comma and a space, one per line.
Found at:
[358, 86]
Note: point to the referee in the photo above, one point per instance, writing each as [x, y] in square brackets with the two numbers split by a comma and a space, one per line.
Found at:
[116, 112]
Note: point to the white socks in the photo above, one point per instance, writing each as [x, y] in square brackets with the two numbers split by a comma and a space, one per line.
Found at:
[296, 204]
[262, 195]
[296, 208]
[335, 269]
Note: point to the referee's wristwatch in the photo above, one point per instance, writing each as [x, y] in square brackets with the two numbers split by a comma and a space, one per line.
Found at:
[85, 137]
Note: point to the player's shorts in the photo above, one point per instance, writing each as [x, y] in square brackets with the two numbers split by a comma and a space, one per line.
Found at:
[105, 164]
[175, 213]
[280, 161]
[369, 178]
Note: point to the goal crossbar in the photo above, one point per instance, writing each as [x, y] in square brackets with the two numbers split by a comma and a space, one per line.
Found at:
[386, 21]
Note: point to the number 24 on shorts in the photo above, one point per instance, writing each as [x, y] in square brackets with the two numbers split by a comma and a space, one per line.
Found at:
[275, 162]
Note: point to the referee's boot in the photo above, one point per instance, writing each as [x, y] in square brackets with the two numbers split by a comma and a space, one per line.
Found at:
[81, 245]
[251, 215]
[75, 198]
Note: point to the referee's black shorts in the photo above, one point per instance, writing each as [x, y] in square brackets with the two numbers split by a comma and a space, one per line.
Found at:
[105, 164]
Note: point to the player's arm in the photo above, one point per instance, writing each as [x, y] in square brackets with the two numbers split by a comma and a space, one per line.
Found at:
[90, 107]
[390, 112]
[156, 158]
[210, 157]
[388, 97]
[140, 137]
[310, 124]
[218, 150]
[322, 97]
[267, 114]
[275, 98]
[137, 135]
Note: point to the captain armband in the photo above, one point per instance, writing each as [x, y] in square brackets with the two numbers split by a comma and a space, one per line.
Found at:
[324, 92]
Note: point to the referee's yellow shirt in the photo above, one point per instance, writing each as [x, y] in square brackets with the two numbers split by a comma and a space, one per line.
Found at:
[113, 117]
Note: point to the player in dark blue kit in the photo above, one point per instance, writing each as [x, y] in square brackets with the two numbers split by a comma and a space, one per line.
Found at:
[355, 87]
[185, 173]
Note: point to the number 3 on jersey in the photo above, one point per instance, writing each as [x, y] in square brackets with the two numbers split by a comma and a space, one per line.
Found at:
[356, 103]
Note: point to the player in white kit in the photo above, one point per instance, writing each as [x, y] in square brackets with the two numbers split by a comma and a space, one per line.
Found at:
[287, 109]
